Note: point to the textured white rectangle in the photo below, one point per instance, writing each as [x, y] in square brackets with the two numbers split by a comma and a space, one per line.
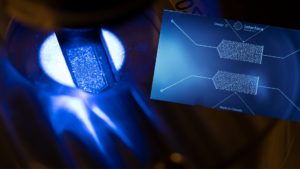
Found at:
[235, 82]
[240, 51]
[85, 69]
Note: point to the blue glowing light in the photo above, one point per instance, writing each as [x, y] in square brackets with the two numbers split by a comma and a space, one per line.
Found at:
[54, 65]
[88, 123]
[111, 125]
[76, 107]
[103, 116]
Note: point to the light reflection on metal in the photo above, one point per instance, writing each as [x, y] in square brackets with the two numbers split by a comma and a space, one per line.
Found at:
[142, 103]
[54, 65]
[65, 108]
[103, 116]
[111, 124]
[73, 107]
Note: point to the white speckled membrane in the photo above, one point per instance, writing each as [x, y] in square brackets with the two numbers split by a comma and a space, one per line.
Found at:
[235, 82]
[240, 51]
[86, 70]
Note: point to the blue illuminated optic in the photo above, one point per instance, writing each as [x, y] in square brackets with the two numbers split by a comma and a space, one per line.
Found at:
[54, 65]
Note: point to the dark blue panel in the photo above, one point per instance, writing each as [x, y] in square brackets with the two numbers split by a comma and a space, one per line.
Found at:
[260, 65]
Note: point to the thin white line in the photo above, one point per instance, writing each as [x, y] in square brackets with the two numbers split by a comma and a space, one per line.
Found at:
[202, 77]
[248, 107]
[280, 91]
[195, 43]
[296, 51]
[271, 56]
[289, 100]
[255, 34]
[266, 87]
[234, 30]
[184, 79]
[222, 101]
